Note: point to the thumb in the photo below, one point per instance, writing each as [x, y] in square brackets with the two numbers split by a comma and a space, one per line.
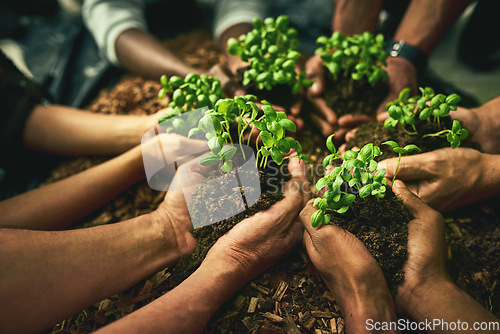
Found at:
[410, 168]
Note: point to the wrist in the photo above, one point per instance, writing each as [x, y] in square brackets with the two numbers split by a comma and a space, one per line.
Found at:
[401, 49]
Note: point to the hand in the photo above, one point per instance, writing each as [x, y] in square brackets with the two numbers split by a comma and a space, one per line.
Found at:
[230, 87]
[444, 178]
[401, 74]
[257, 242]
[326, 119]
[426, 264]
[483, 124]
[349, 271]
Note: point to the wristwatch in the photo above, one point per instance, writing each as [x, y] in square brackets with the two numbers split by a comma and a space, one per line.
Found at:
[409, 52]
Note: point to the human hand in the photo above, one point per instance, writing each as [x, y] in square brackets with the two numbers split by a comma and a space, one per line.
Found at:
[426, 264]
[325, 118]
[229, 86]
[350, 272]
[483, 124]
[401, 74]
[259, 241]
[444, 178]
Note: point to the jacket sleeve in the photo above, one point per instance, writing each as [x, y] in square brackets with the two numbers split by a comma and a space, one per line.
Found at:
[231, 12]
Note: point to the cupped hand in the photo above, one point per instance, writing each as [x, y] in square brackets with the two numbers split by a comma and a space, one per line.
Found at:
[483, 124]
[401, 74]
[258, 241]
[426, 263]
[342, 260]
[445, 178]
[229, 86]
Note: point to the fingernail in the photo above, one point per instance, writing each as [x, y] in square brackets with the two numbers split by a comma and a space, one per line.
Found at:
[399, 184]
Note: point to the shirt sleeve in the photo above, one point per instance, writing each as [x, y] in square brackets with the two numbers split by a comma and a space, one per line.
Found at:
[231, 12]
[107, 19]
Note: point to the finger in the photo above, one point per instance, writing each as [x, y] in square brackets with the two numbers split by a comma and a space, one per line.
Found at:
[342, 149]
[350, 134]
[299, 123]
[350, 121]
[296, 108]
[297, 169]
[339, 135]
[410, 168]
[324, 111]
[325, 128]
[382, 116]
[418, 208]
[316, 73]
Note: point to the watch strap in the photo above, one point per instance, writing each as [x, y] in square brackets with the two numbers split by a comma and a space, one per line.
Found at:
[409, 52]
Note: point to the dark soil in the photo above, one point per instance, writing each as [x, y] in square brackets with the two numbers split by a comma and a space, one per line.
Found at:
[281, 95]
[376, 133]
[347, 96]
[270, 189]
[382, 226]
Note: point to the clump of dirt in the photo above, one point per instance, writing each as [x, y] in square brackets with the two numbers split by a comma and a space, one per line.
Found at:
[376, 133]
[382, 226]
[207, 236]
[347, 96]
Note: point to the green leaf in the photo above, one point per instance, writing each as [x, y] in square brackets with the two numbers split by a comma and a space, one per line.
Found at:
[267, 138]
[260, 125]
[348, 199]
[214, 144]
[323, 182]
[453, 99]
[391, 143]
[366, 152]
[350, 155]
[287, 124]
[276, 155]
[329, 143]
[404, 94]
[283, 145]
[456, 126]
[227, 166]
[326, 219]
[193, 131]
[228, 152]
[464, 134]
[411, 147]
[209, 159]
[365, 190]
[317, 218]
[342, 209]
[425, 114]
[373, 166]
[269, 113]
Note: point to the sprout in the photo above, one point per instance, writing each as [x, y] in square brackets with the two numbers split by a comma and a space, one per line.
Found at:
[359, 170]
[271, 49]
[400, 151]
[357, 56]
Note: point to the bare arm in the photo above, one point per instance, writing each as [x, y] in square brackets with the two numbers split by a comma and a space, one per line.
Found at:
[233, 63]
[60, 204]
[143, 54]
[355, 17]
[72, 132]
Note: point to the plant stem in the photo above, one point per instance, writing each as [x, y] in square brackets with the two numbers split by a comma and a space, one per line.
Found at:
[396, 173]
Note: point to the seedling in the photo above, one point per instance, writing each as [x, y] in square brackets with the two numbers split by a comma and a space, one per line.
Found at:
[359, 171]
[404, 110]
[243, 110]
[357, 56]
[271, 49]
[400, 151]
[453, 136]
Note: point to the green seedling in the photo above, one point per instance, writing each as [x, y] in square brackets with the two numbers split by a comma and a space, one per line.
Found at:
[243, 111]
[359, 171]
[271, 49]
[428, 107]
[453, 136]
[357, 56]
[400, 151]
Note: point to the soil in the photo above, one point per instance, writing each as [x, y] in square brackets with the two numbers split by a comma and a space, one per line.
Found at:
[376, 133]
[281, 95]
[382, 226]
[347, 96]
[208, 235]
[289, 297]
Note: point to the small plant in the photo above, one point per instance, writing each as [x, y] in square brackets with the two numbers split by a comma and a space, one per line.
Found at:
[400, 151]
[359, 171]
[357, 56]
[271, 49]
[404, 111]
[242, 109]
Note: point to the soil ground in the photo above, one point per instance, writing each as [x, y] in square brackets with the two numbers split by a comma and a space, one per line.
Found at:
[289, 297]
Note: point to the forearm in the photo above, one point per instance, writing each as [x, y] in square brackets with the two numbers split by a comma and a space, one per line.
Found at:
[57, 205]
[427, 21]
[189, 306]
[143, 54]
[73, 269]
[72, 132]
[355, 17]
[444, 301]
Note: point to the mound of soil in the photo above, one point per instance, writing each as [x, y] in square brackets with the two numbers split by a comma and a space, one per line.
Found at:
[347, 96]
